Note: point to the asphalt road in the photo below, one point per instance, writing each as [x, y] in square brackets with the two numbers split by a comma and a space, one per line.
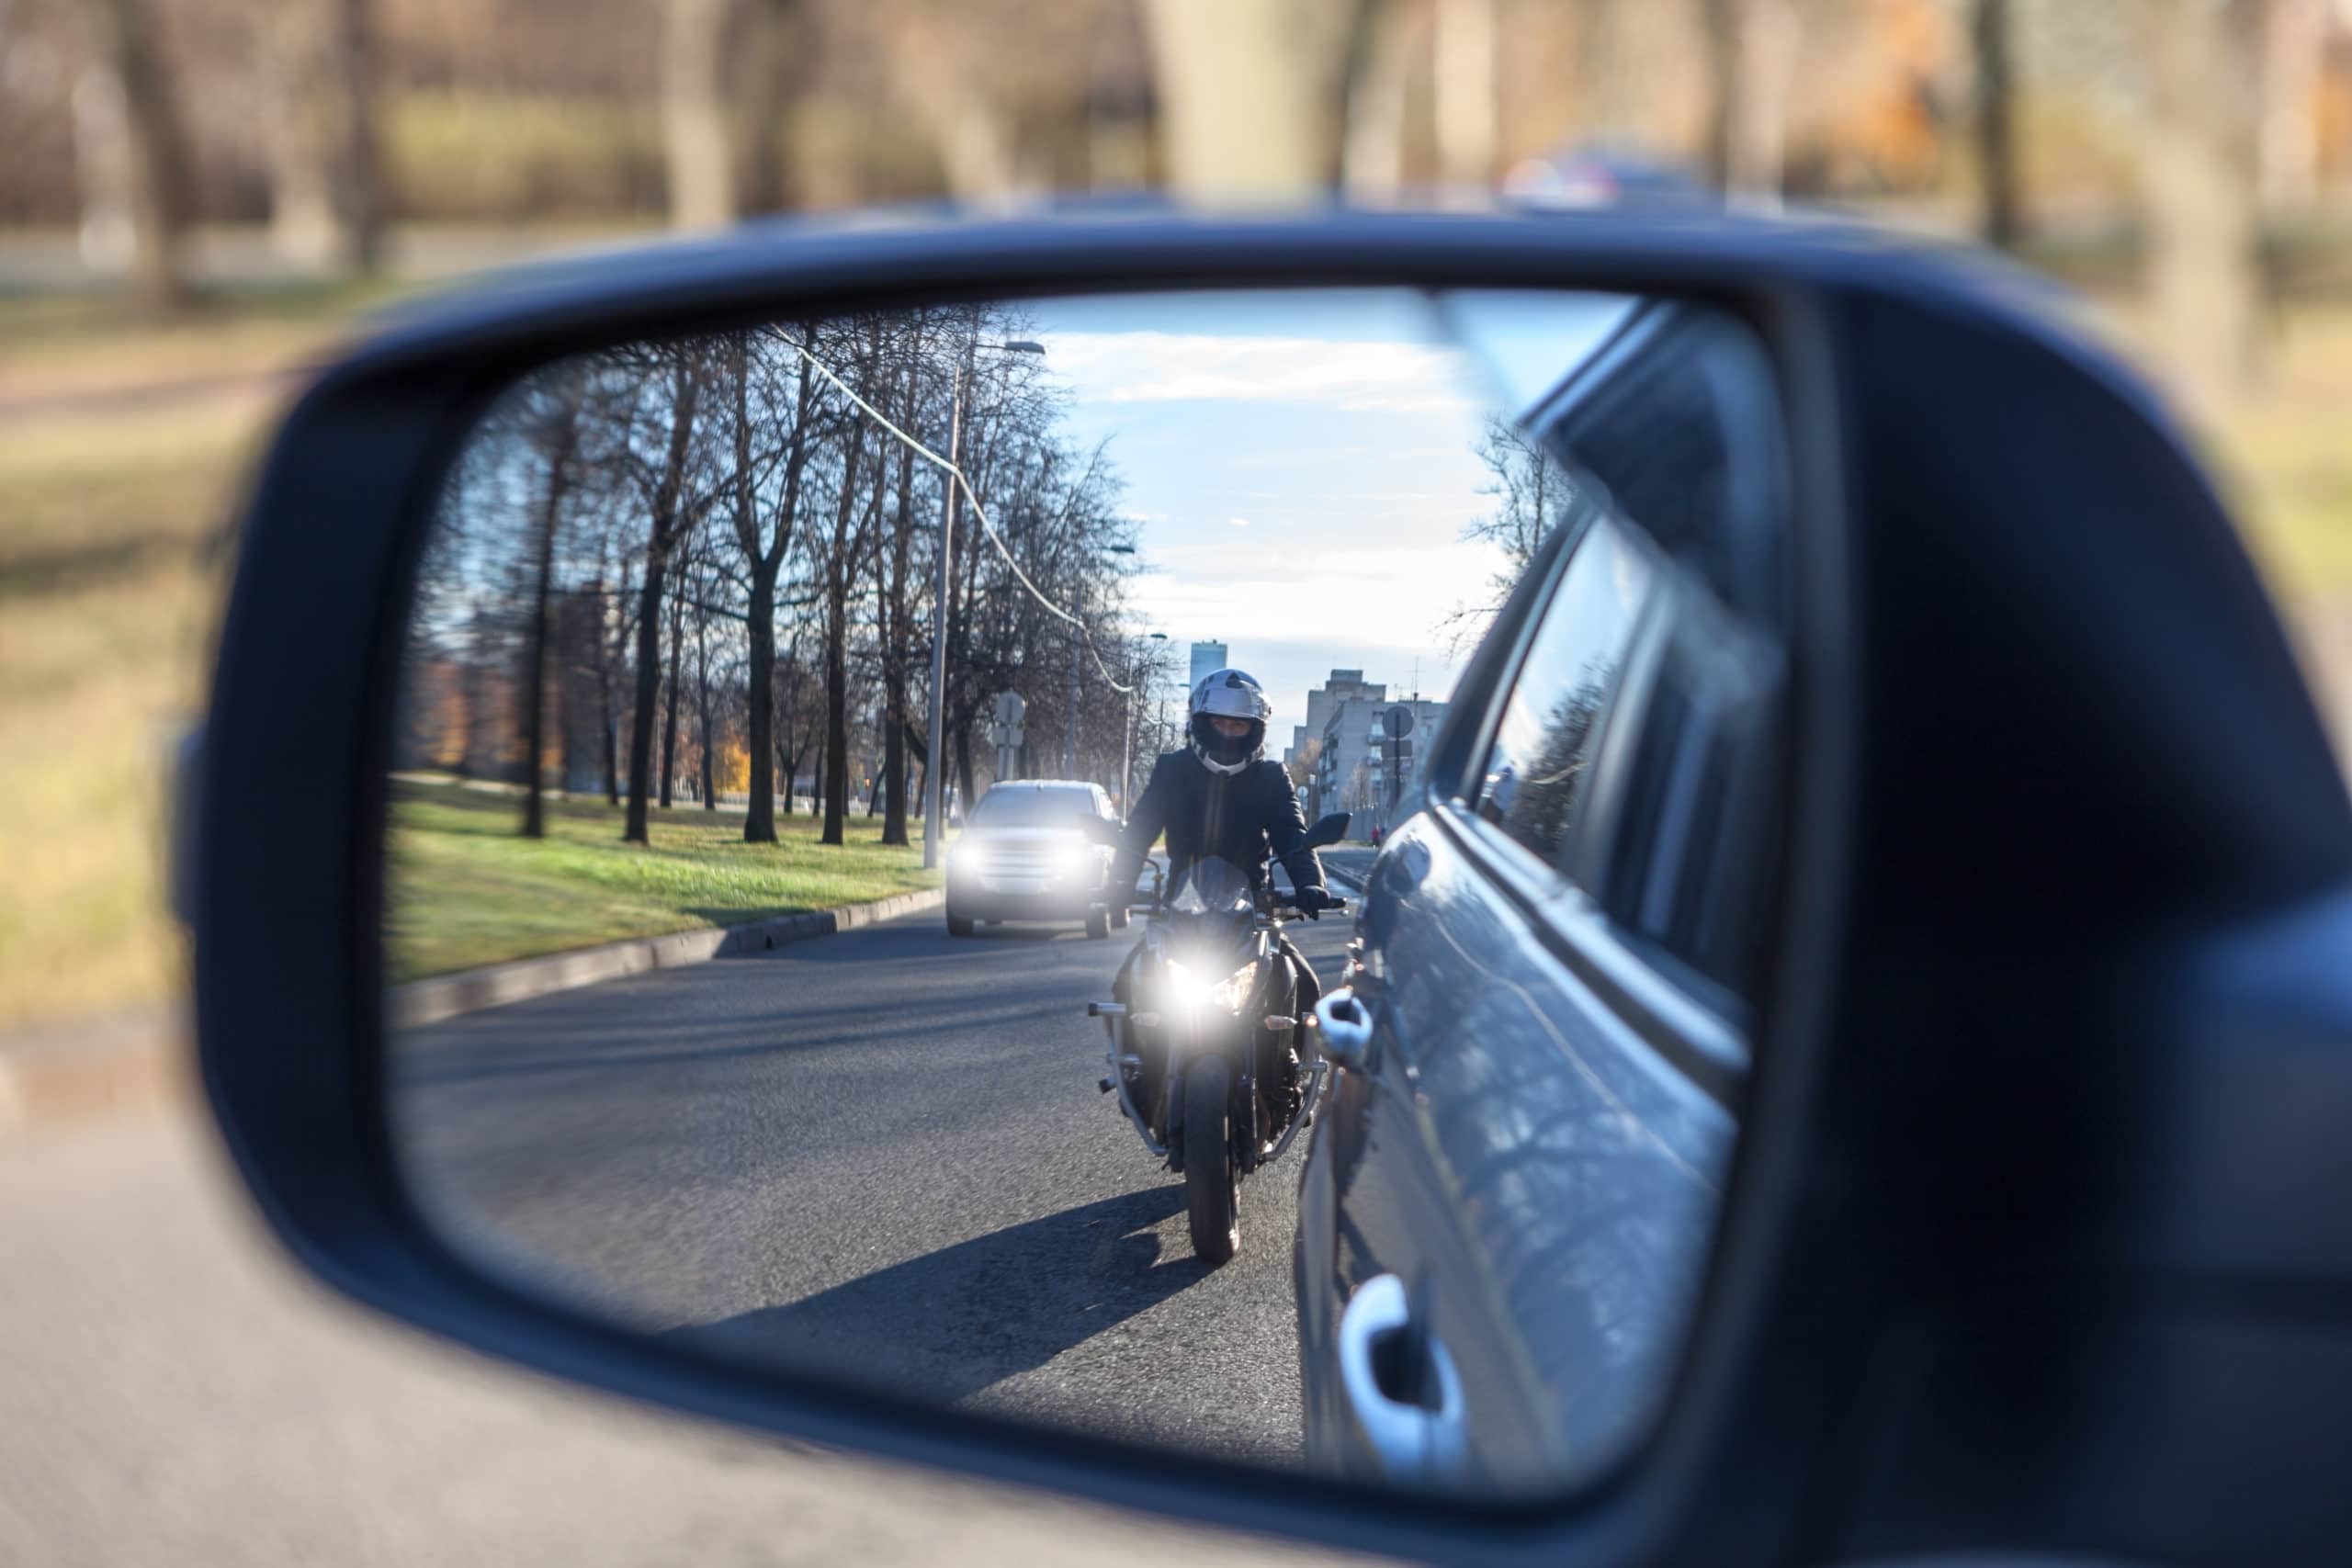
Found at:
[883, 1152]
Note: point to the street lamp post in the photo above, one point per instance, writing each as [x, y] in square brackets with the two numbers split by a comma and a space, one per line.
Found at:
[934, 771]
[1078, 676]
[1134, 685]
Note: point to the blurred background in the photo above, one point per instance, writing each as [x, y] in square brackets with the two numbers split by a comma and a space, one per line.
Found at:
[199, 198]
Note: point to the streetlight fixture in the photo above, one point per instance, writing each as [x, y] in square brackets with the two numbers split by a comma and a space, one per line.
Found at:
[933, 781]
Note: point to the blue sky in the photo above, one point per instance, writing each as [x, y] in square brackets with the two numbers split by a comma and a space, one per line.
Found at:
[1302, 465]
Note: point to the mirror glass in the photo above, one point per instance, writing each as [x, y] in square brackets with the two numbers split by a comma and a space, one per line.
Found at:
[771, 973]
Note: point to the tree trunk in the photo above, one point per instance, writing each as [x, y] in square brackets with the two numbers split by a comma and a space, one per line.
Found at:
[895, 783]
[649, 691]
[2201, 183]
[759, 812]
[660, 535]
[1997, 141]
[847, 545]
[325, 206]
[2293, 75]
[534, 663]
[1466, 107]
[612, 748]
[130, 146]
[972, 133]
[963, 766]
[702, 711]
[1372, 148]
[897, 624]
[669, 706]
[1752, 52]
[836, 718]
[696, 139]
[1240, 90]
[765, 560]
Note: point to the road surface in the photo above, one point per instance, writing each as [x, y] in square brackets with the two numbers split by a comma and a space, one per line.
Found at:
[884, 1151]
[172, 1391]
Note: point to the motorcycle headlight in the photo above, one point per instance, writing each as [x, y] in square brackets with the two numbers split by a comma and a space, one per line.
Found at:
[1193, 992]
[1234, 990]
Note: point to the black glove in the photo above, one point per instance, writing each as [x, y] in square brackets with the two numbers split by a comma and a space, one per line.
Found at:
[1312, 901]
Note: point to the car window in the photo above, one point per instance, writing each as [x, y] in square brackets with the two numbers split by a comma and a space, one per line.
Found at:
[1029, 807]
[1686, 854]
[1534, 781]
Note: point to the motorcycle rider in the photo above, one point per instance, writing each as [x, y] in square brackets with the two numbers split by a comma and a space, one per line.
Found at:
[1220, 796]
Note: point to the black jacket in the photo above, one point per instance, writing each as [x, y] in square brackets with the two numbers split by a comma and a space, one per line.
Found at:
[1243, 817]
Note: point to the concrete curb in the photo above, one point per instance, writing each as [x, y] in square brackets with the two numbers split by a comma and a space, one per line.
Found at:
[421, 1002]
[112, 1064]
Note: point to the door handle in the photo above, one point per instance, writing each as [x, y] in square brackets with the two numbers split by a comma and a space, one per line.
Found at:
[1406, 1397]
[1343, 1024]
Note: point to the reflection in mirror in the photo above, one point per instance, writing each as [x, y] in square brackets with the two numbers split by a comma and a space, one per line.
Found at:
[772, 973]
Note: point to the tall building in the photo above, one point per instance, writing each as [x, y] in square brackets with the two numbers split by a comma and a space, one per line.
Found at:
[1207, 657]
[1352, 772]
[1343, 686]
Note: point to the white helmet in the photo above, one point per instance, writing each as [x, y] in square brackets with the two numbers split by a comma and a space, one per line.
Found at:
[1228, 693]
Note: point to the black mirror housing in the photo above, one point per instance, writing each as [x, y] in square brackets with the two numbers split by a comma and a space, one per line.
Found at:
[1328, 830]
[1974, 619]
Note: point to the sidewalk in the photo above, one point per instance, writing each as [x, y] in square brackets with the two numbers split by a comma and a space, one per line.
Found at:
[171, 1391]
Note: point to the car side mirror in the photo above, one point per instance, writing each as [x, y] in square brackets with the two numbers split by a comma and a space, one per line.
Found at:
[1876, 669]
[1104, 830]
[1328, 830]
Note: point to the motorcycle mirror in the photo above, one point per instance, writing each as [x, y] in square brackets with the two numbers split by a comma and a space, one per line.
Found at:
[1327, 832]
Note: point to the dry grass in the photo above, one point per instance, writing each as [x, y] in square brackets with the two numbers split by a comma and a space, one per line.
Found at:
[110, 573]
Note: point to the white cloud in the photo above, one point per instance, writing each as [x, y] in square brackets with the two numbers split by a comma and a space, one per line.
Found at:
[1133, 367]
[1237, 521]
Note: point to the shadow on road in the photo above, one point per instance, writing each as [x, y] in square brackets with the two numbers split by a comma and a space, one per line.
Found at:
[952, 1323]
[582, 1043]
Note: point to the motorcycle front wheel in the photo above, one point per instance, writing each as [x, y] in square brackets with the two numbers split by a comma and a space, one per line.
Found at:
[1212, 1185]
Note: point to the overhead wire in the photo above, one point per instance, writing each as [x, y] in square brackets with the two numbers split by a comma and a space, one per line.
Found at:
[987, 527]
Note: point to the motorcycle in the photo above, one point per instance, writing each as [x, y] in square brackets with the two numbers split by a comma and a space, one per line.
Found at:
[1201, 1048]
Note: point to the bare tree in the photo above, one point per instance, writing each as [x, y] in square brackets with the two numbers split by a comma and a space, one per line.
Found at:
[939, 79]
[326, 206]
[1994, 35]
[1753, 50]
[765, 540]
[837, 568]
[1466, 110]
[2293, 63]
[706, 728]
[2201, 169]
[1533, 496]
[668, 517]
[798, 716]
[1244, 88]
[133, 149]
[554, 428]
[1389, 36]
[696, 137]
